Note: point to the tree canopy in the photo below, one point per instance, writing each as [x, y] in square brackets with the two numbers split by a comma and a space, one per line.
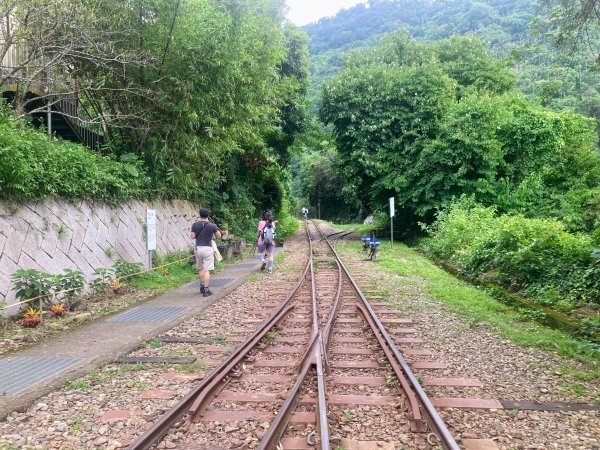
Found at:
[430, 122]
[208, 95]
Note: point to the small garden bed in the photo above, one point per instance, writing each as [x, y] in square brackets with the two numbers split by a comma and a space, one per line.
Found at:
[52, 304]
[85, 309]
[113, 290]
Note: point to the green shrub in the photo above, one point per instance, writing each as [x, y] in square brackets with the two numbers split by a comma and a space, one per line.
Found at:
[535, 257]
[124, 268]
[31, 283]
[591, 325]
[71, 281]
[287, 224]
[104, 277]
[458, 229]
[33, 167]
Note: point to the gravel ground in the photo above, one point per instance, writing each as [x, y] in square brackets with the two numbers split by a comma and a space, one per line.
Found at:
[72, 417]
[507, 371]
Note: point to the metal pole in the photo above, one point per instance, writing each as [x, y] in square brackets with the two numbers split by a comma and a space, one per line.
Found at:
[150, 261]
[49, 118]
[392, 230]
[49, 100]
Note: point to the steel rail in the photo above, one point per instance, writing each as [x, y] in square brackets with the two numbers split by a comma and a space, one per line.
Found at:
[161, 427]
[414, 404]
[199, 404]
[397, 369]
[322, 422]
[333, 234]
[437, 423]
[279, 424]
[311, 358]
[326, 330]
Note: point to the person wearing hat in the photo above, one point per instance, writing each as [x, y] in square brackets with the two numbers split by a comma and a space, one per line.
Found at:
[204, 232]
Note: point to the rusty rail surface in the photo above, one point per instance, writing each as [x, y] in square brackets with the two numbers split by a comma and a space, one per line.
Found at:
[314, 358]
[218, 374]
[389, 346]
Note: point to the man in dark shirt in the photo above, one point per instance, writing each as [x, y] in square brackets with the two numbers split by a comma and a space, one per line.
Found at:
[203, 232]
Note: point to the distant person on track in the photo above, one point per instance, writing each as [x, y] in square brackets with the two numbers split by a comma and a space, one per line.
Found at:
[204, 232]
[305, 213]
[266, 240]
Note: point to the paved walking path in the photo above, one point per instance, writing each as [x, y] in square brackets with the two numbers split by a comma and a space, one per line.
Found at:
[37, 370]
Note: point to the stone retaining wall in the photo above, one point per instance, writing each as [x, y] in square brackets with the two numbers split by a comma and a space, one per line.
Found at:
[53, 236]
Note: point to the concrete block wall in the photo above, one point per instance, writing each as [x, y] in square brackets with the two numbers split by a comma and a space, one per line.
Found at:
[54, 235]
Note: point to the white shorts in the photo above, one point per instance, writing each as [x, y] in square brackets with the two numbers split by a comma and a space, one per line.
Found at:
[205, 258]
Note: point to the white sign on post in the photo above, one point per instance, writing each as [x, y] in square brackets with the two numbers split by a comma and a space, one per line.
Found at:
[150, 234]
[392, 211]
[151, 228]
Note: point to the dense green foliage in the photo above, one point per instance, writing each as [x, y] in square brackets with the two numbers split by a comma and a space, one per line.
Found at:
[556, 79]
[226, 102]
[573, 24]
[317, 183]
[429, 122]
[544, 75]
[535, 257]
[32, 166]
[498, 21]
[430, 118]
[204, 101]
[34, 288]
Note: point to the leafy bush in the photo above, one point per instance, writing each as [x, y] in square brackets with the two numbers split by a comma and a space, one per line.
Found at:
[72, 281]
[455, 232]
[535, 257]
[591, 325]
[287, 224]
[124, 268]
[33, 167]
[31, 284]
[104, 278]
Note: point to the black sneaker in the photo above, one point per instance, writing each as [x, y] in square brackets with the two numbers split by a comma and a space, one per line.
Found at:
[207, 292]
[201, 288]
[264, 265]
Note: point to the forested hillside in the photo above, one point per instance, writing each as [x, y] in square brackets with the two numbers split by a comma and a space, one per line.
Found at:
[556, 79]
[501, 22]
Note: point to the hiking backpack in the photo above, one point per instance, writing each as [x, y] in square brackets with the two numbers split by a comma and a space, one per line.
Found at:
[268, 234]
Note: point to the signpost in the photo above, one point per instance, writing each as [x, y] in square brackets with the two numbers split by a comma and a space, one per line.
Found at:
[392, 213]
[150, 234]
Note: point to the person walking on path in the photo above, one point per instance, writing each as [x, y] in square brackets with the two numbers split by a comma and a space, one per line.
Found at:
[203, 232]
[305, 213]
[266, 240]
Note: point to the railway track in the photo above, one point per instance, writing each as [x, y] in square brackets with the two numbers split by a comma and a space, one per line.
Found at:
[320, 371]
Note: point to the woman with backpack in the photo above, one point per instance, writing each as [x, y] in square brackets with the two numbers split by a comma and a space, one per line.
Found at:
[266, 240]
